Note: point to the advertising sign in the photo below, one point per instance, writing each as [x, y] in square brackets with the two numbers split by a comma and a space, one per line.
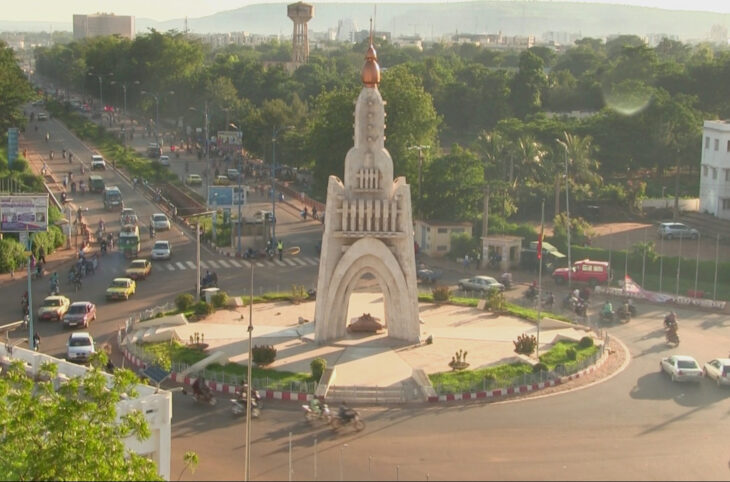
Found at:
[12, 145]
[229, 141]
[225, 197]
[24, 213]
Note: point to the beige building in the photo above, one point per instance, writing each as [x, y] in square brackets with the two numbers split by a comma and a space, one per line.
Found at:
[100, 24]
[434, 237]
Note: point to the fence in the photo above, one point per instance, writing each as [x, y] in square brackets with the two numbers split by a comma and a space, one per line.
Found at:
[533, 378]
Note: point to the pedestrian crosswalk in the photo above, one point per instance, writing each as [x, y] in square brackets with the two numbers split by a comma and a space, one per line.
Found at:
[231, 263]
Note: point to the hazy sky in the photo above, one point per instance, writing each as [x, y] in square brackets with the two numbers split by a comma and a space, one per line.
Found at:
[61, 11]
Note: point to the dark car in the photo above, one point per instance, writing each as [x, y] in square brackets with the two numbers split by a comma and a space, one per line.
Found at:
[80, 313]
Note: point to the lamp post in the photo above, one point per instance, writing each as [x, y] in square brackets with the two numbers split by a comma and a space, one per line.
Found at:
[100, 76]
[274, 136]
[124, 90]
[420, 172]
[197, 217]
[247, 456]
[240, 191]
[156, 96]
[567, 210]
[207, 138]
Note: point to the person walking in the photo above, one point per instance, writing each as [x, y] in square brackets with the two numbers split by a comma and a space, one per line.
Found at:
[42, 254]
[280, 248]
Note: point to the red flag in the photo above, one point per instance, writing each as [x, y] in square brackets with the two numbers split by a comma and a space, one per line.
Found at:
[539, 243]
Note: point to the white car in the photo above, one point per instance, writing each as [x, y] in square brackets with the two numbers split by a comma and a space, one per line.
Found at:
[676, 231]
[161, 250]
[164, 161]
[97, 162]
[718, 370]
[480, 283]
[681, 368]
[79, 347]
[160, 222]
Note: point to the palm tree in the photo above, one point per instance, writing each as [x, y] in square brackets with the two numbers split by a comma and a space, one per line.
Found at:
[581, 165]
[530, 156]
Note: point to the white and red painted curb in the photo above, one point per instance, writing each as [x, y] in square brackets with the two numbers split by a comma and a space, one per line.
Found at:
[504, 392]
[227, 388]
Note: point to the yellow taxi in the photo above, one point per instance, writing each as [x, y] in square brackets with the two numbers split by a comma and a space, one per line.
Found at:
[139, 269]
[121, 289]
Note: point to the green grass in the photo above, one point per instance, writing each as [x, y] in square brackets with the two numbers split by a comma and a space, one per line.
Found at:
[164, 353]
[504, 375]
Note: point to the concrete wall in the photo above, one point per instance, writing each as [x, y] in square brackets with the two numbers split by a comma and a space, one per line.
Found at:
[668, 203]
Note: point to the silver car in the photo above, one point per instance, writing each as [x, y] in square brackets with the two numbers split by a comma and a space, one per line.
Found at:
[681, 368]
[480, 283]
[79, 347]
[160, 221]
[718, 370]
[161, 250]
[676, 231]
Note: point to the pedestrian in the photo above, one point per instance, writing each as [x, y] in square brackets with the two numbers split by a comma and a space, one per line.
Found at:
[152, 230]
[65, 181]
[42, 254]
[466, 262]
[305, 213]
[314, 212]
[280, 248]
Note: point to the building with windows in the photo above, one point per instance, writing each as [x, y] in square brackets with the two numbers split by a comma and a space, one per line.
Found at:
[100, 24]
[434, 237]
[715, 170]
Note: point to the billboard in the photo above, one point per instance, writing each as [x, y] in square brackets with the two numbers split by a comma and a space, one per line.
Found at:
[225, 197]
[24, 213]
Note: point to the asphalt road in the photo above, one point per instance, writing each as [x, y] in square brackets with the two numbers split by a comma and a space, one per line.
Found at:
[637, 425]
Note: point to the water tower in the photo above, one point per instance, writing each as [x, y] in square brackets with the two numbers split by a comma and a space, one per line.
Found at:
[300, 13]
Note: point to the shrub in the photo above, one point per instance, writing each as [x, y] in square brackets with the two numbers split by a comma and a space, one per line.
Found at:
[495, 300]
[298, 293]
[203, 308]
[263, 354]
[585, 342]
[539, 367]
[220, 299]
[441, 293]
[184, 301]
[525, 344]
[571, 354]
[318, 365]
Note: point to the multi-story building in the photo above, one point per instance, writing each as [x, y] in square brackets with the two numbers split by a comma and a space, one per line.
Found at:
[715, 170]
[100, 24]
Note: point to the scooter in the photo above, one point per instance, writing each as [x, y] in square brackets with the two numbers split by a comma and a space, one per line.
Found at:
[671, 335]
[351, 418]
[202, 397]
[239, 407]
[322, 414]
[607, 317]
[55, 289]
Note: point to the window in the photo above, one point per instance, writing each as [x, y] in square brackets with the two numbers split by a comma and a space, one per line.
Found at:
[704, 171]
[457, 230]
[727, 175]
[714, 173]
[441, 248]
[725, 204]
[717, 144]
[707, 142]
[443, 230]
[728, 146]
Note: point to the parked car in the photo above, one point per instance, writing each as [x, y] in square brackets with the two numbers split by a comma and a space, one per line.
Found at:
[480, 283]
[681, 368]
[222, 181]
[718, 370]
[194, 180]
[160, 222]
[79, 347]
[80, 313]
[161, 250]
[676, 231]
[164, 161]
[584, 271]
[139, 269]
[121, 289]
[53, 308]
[97, 162]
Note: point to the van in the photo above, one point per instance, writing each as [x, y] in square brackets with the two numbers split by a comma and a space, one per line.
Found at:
[113, 198]
[96, 184]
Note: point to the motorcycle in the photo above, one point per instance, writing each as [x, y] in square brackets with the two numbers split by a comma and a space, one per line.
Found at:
[322, 412]
[202, 397]
[531, 293]
[624, 315]
[350, 417]
[239, 406]
[506, 280]
[607, 316]
[671, 335]
[55, 289]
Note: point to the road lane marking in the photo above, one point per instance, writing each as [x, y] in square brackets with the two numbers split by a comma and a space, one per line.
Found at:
[213, 264]
[180, 265]
[170, 267]
[223, 263]
[246, 263]
[300, 261]
[191, 264]
[260, 265]
[235, 263]
[203, 264]
[289, 262]
[280, 263]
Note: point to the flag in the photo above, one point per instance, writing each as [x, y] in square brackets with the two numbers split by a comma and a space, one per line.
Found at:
[539, 243]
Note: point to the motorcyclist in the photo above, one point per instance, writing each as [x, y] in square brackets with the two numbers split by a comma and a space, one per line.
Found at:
[103, 245]
[200, 388]
[670, 320]
[54, 282]
[607, 309]
[626, 308]
[315, 406]
[36, 341]
[532, 290]
[345, 412]
[101, 225]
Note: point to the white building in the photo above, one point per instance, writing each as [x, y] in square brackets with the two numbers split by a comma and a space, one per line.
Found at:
[102, 24]
[155, 405]
[715, 171]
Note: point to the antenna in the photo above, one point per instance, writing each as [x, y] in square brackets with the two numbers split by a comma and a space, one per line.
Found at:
[375, 16]
[371, 30]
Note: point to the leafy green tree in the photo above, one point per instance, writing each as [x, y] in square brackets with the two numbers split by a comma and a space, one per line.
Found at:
[14, 90]
[454, 186]
[577, 152]
[527, 85]
[70, 432]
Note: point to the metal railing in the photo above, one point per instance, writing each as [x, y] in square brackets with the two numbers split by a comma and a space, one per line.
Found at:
[560, 371]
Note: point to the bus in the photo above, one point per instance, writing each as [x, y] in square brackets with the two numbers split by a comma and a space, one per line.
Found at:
[129, 240]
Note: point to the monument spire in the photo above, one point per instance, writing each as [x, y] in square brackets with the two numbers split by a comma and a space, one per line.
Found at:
[371, 69]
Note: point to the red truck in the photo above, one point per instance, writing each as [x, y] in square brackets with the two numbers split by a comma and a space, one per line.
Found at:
[585, 271]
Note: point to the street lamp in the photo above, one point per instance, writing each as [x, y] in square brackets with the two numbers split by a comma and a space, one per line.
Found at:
[240, 191]
[197, 217]
[124, 90]
[156, 96]
[99, 76]
[274, 136]
[420, 172]
[567, 209]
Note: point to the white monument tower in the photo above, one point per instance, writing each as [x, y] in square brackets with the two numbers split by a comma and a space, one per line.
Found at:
[368, 227]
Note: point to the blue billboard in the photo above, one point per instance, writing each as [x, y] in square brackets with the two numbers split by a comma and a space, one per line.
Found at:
[225, 197]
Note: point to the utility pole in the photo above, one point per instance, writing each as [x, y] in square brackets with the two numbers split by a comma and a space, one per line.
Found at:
[420, 149]
[567, 211]
[240, 191]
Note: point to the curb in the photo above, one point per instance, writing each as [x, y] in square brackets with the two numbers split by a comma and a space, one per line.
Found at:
[226, 388]
[502, 392]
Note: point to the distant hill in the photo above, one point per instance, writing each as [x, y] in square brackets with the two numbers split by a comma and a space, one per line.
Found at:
[434, 19]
